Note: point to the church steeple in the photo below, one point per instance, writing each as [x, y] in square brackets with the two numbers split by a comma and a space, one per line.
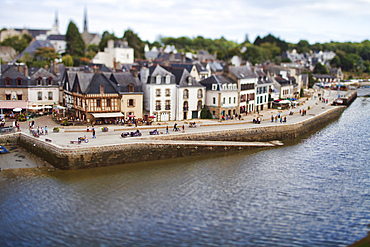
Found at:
[55, 27]
[85, 20]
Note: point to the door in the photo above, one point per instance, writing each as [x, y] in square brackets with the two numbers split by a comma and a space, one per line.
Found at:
[165, 116]
[194, 114]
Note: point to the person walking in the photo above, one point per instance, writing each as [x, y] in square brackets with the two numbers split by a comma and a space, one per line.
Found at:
[167, 129]
[46, 130]
[183, 128]
[93, 134]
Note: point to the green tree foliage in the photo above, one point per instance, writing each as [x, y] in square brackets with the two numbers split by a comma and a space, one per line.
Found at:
[104, 40]
[67, 60]
[303, 46]
[136, 43]
[27, 59]
[205, 113]
[320, 69]
[75, 43]
[272, 40]
[91, 51]
[45, 54]
[18, 43]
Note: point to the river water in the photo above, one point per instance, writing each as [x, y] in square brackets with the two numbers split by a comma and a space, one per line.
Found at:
[312, 192]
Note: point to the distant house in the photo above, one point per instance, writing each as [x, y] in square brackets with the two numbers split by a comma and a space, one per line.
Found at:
[89, 38]
[33, 47]
[197, 71]
[116, 52]
[221, 96]
[263, 89]
[285, 87]
[59, 42]
[7, 53]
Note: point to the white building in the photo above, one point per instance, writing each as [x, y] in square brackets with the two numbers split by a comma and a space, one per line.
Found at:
[190, 95]
[263, 88]
[116, 52]
[160, 93]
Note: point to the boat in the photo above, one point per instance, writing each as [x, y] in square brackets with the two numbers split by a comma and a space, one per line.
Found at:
[3, 150]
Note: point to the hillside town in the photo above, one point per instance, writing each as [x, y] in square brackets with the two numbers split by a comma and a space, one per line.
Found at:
[168, 85]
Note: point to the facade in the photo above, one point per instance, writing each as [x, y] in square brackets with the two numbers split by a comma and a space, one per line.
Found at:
[131, 92]
[160, 93]
[116, 52]
[190, 95]
[246, 80]
[263, 88]
[95, 97]
[284, 87]
[221, 96]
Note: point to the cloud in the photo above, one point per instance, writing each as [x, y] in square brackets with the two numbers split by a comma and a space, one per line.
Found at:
[291, 20]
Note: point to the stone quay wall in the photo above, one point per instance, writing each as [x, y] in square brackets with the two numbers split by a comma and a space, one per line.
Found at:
[70, 158]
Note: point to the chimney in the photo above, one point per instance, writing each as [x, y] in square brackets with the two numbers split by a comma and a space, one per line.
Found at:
[25, 71]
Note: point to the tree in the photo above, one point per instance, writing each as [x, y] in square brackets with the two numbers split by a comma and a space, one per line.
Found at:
[136, 43]
[18, 43]
[67, 60]
[303, 46]
[92, 49]
[75, 43]
[104, 40]
[205, 113]
[45, 54]
[27, 59]
[320, 69]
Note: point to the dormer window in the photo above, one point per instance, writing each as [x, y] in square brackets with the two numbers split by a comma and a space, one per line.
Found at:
[168, 79]
[224, 87]
[158, 79]
[214, 86]
[189, 81]
[101, 89]
[50, 81]
[234, 86]
[7, 81]
[19, 81]
[39, 81]
[131, 88]
[230, 86]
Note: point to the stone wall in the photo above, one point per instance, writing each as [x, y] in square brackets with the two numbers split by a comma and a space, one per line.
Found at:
[68, 158]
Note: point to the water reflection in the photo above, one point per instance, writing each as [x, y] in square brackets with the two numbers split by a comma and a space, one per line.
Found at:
[312, 193]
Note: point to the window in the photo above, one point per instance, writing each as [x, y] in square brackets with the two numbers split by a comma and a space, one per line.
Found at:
[50, 81]
[131, 88]
[185, 106]
[50, 96]
[158, 92]
[186, 94]
[168, 79]
[234, 100]
[98, 103]
[158, 79]
[224, 87]
[200, 93]
[168, 92]
[229, 100]
[108, 102]
[101, 89]
[7, 97]
[168, 105]
[39, 81]
[258, 100]
[223, 101]
[214, 86]
[19, 96]
[7, 81]
[230, 86]
[158, 105]
[19, 81]
[199, 105]
[39, 96]
[214, 100]
[261, 100]
[130, 102]
[234, 87]
[190, 81]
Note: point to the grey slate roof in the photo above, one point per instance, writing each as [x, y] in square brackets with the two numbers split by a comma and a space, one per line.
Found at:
[12, 73]
[33, 47]
[159, 70]
[216, 79]
[242, 72]
[56, 37]
[124, 79]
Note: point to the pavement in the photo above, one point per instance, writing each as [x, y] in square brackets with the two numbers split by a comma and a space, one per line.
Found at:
[113, 136]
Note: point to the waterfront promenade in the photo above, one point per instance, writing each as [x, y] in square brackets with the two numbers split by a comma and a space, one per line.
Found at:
[312, 105]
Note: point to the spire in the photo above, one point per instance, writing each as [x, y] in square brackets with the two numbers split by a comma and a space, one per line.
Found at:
[85, 20]
[56, 18]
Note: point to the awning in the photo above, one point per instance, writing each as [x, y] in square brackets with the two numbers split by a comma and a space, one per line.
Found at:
[11, 104]
[59, 107]
[107, 115]
[34, 108]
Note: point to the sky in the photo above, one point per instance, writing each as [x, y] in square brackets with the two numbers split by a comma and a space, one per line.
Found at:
[290, 20]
